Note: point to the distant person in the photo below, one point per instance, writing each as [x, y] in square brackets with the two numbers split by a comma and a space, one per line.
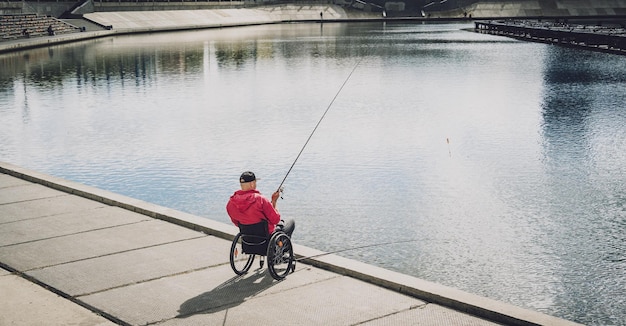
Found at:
[50, 30]
[248, 206]
[25, 32]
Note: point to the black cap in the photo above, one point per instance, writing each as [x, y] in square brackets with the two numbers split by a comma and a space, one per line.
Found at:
[247, 177]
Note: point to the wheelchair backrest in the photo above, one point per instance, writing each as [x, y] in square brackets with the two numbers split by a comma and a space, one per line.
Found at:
[255, 238]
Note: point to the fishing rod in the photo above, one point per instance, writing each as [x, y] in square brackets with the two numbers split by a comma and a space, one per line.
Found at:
[359, 247]
[280, 187]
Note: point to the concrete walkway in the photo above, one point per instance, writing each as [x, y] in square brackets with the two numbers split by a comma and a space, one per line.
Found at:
[75, 255]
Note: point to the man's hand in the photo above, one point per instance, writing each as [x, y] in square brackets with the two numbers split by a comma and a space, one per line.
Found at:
[275, 198]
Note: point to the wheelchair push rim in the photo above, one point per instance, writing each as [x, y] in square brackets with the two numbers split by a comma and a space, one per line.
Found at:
[240, 262]
[280, 261]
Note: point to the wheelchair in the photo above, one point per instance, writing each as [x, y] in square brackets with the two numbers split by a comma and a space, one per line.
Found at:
[254, 240]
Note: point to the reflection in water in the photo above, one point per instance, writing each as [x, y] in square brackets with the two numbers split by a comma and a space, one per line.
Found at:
[502, 161]
[584, 141]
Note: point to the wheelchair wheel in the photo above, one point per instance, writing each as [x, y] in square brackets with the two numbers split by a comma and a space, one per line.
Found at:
[239, 261]
[280, 259]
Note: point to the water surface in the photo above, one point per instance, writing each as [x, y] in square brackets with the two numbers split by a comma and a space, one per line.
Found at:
[503, 162]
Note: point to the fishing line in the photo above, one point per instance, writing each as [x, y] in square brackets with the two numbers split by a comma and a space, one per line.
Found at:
[359, 247]
[318, 123]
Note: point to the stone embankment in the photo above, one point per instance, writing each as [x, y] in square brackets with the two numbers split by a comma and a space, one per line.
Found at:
[192, 19]
[111, 23]
[133, 21]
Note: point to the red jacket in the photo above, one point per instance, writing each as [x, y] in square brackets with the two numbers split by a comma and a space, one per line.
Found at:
[250, 207]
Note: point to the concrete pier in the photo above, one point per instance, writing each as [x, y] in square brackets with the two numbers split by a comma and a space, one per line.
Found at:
[527, 9]
[73, 254]
[598, 38]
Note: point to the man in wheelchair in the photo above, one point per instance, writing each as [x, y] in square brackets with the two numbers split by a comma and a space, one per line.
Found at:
[248, 206]
[261, 231]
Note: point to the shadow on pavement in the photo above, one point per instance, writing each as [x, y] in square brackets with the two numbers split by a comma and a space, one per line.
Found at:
[228, 294]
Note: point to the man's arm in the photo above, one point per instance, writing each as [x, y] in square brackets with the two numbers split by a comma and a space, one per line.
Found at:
[275, 199]
[270, 211]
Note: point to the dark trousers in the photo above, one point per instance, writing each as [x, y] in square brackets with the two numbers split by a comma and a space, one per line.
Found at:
[286, 225]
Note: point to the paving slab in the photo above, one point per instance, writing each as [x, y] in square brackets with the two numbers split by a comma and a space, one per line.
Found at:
[66, 224]
[206, 293]
[126, 268]
[35, 208]
[429, 315]
[25, 303]
[50, 252]
[27, 192]
[9, 181]
[216, 318]
[336, 301]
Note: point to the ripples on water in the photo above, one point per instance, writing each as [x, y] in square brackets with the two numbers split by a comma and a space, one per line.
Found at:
[503, 162]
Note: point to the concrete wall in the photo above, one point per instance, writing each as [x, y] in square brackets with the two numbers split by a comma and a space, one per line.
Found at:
[148, 6]
[48, 8]
[10, 8]
[57, 8]
[189, 19]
